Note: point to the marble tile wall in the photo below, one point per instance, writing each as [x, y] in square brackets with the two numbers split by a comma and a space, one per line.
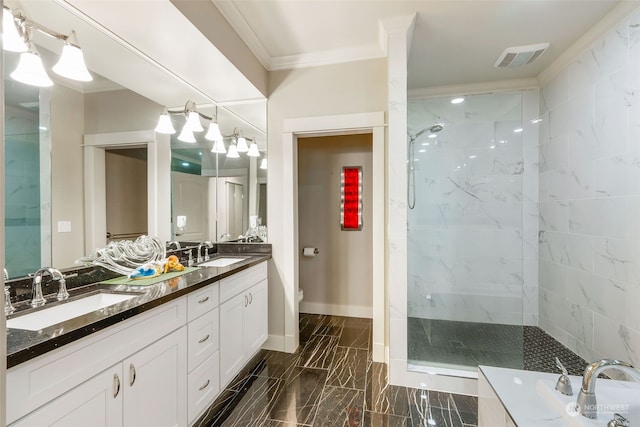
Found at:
[589, 242]
[474, 226]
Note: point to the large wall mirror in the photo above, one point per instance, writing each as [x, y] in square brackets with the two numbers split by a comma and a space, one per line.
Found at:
[44, 160]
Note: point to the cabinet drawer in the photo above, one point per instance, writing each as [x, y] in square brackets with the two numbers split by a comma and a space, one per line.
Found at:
[203, 338]
[233, 285]
[201, 301]
[203, 386]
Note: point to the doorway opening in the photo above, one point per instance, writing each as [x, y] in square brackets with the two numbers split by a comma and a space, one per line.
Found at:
[126, 193]
[338, 279]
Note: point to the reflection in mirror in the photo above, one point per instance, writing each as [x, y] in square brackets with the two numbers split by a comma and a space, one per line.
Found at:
[27, 175]
[215, 196]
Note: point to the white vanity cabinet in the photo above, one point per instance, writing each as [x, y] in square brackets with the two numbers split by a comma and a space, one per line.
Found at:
[243, 319]
[146, 389]
[163, 367]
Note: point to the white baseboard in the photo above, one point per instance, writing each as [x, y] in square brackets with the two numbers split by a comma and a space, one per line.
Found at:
[274, 343]
[336, 309]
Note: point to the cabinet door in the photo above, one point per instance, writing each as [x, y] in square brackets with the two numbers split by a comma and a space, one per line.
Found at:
[232, 356]
[96, 402]
[256, 318]
[156, 383]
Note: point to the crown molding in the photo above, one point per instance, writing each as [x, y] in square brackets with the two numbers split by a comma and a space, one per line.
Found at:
[474, 88]
[233, 15]
[336, 56]
[606, 24]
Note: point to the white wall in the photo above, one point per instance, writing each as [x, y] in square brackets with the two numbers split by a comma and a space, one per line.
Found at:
[590, 199]
[119, 111]
[338, 280]
[334, 89]
[67, 129]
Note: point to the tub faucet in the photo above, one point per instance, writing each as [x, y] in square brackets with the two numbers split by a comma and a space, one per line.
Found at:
[587, 396]
[37, 299]
[174, 243]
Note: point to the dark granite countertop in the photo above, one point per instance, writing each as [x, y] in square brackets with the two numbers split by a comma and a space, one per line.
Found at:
[23, 345]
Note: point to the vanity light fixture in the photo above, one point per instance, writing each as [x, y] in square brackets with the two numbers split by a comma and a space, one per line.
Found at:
[233, 152]
[17, 38]
[218, 147]
[263, 164]
[30, 70]
[164, 123]
[186, 135]
[242, 146]
[253, 150]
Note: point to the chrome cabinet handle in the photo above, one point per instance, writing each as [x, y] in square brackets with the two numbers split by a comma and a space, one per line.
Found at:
[203, 300]
[132, 375]
[246, 300]
[205, 385]
[116, 385]
[250, 297]
[204, 339]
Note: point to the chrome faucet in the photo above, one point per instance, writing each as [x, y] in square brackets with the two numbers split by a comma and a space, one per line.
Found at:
[37, 299]
[174, 243]
[587, 397]
[204, 245]
[8, 307]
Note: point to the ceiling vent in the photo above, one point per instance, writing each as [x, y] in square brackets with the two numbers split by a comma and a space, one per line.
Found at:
[520, 55]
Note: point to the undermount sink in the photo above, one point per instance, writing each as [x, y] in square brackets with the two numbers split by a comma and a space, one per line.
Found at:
[60, 312]
[221, 262]
[613, 397]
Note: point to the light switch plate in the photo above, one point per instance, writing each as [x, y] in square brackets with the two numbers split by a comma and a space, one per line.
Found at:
[64, 226]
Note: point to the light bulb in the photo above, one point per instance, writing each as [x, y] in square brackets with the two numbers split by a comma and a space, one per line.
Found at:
[30, 70]
[11, 38]
[233, 152]
[242, 145]
[253, 150]
[164, 124]
[193, 122]
[71, 64]
[186, 135]
[213, 133]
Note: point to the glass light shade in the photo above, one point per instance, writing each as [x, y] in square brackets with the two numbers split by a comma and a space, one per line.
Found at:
[253, 150]
[186, 135]
[213, 133]
[11, 38]
[193, 122]
[263, 164]
[164, 125]
[242, 145]
[218, 147]
[71, 64]
[233, 152]
[30, 71]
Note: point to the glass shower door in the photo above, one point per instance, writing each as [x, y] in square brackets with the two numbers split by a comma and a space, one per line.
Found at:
[465, 239]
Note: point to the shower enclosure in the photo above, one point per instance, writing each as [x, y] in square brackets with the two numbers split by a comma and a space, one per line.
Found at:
[465, 233]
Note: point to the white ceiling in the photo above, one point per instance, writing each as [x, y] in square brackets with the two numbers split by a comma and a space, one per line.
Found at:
[455, 42]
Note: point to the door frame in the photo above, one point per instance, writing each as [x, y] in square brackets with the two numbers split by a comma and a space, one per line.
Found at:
[345, 124]
[158, 178]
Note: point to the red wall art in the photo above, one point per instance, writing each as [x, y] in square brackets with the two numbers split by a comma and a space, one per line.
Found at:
[351, 198]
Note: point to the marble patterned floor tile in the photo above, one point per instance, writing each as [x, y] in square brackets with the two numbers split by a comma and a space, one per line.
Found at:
[279, 364]
[372, 419]
[349, 368]
[299, 400]
[428, 406]
[357, 322]
[318, 352]
[276, 423]
[219, 411]
[340, 407]
[380, 396]
[357, 337]
[256, 404]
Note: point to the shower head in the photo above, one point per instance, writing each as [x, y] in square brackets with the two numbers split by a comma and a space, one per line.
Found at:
[433, 129]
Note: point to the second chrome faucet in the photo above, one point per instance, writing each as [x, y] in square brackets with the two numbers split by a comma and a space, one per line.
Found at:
[37, 299]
